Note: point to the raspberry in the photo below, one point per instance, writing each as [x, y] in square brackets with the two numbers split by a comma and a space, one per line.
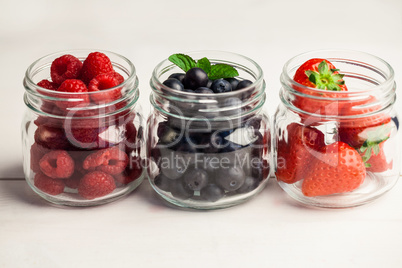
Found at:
[48, 185]
[96, 184]
[73, 86]
[73, 181]
[48, 84]
[57, 164]
[130, 174]
[37, 152]
[119, 77]
[51, 137]
[87, 138]
[110, 160]
[95, 64]
[103, 82]
[65, 67]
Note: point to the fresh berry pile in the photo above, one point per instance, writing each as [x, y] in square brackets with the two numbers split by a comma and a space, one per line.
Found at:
[88, 153]
[340, 167]
[202, 77]
[202, 165]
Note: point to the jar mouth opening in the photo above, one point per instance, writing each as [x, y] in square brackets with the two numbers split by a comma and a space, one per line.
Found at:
[166, 66]
[45, 62]
[384, 73]
[36, 97]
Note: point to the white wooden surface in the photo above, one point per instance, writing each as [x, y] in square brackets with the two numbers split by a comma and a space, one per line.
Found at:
[140, 230]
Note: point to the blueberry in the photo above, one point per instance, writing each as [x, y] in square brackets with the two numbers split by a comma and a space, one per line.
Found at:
[162, 182]
[185, 147]
[232, 102]
[220, 86]
[167, 135]
[180, 190]
[215, 144]
[212, 193]
[203, 90]
[209, 84]
[233, 82]
[249, 184]
[230, 147]
[174, 84]
[195, 78]
[195, 179]
[178, 76]
[230, 178]
[243, 84]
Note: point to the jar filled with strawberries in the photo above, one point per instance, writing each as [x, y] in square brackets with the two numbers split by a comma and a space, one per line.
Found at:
[82, 131]
[336, 129]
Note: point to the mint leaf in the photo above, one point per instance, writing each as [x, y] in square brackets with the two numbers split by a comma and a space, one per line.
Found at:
[204, 64]
[184, 62]
[222, 71]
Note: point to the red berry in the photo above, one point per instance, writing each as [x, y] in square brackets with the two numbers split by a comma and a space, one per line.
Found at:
[131, 173]
[57, 164]
[74, 86]
[73, 181]
[65, 67]
[96, 184]
[51, 137]
[111, 160]
[37, 152]
[102, 85]
[48, 185]
[340, 169]
[95, 64]
[48, 84]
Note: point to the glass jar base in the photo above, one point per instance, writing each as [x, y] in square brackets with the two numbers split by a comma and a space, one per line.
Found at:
[374, 186]
[196, 203]
[69, 197]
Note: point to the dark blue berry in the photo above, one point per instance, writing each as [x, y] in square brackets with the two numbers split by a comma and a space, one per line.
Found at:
[233, 82]
[230, 178]
[249, 184]
[212, 193]
[243, 84]
[162, 182]
[209, 84]
[221, 86]
[203, 90]
[168, 135]
[174, 84]
[195, 78]
[178, 76]
[180, 190]
[195, 179]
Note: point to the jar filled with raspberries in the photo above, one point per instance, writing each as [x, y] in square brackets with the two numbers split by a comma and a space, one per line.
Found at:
[336, 130]
[82, 132]
[208, 140]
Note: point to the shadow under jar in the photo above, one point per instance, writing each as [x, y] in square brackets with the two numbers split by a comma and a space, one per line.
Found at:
[208, 151]
[338, 149]
[77, 149]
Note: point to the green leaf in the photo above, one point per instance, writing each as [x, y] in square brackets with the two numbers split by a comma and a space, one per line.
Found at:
[183, 61]
[222, 71]
[204, 64]
[323, 67]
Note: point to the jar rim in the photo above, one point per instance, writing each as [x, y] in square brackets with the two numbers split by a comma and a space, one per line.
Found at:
[30, 72]
[389, 79]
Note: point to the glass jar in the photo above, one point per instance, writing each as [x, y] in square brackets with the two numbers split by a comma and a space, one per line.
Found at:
[338, 149]
[208, 151]
[77, 149]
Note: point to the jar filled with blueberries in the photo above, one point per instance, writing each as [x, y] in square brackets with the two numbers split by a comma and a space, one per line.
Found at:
[337, 138]
[82, 131]
[208, 140]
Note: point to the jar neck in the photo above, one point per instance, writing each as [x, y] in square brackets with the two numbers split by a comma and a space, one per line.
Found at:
[369, 79]
[212, 108]
[45, 102]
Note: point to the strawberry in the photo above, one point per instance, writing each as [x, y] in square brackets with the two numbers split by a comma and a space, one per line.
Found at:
[340, 169]
[294, 156]
[318, 74]
[367, 134]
